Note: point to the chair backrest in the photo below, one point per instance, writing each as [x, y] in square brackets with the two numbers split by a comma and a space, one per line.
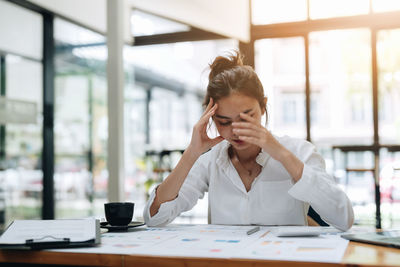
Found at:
[315, 216]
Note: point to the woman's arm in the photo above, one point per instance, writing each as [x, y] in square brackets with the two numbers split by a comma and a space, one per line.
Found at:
[200, 143]
[169, 188]
[319, 189]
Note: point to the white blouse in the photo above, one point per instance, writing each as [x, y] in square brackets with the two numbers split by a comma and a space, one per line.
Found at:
[274, 198]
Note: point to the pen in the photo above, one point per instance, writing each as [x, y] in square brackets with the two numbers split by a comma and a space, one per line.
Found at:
[253, 230]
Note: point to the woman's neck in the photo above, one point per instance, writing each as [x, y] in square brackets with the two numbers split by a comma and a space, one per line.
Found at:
[248, 154]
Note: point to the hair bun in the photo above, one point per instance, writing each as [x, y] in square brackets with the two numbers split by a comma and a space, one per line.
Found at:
[222, 63]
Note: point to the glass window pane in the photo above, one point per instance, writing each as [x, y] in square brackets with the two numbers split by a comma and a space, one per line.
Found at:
[178, 61]
[385, 5]
[340, 78]
[388, 52]
[22, 175]
[389, 181]
[71, 34]
[80, 122]
[270, 11]
[162, 131]
[337, 8]
[19, 27]
[72, 115]
[281, 68]
[99, 134]
[341, 110]
[359, 186]
[143, 23]
[135, 140]
[23, 89]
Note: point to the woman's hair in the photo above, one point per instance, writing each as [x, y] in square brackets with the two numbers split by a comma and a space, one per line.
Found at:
[228, 75]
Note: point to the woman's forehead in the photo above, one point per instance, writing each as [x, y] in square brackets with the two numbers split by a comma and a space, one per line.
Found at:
[233, 105]
[237, 97]
[237, 102]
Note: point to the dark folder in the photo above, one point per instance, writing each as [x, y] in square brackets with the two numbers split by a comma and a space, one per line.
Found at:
[45, 234]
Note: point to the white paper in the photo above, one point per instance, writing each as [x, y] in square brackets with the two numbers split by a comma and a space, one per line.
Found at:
[219, 241]
[49, 230]
[174, 240]
[324, 248]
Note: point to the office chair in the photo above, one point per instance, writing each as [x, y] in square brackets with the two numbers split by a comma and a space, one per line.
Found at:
[315, 216]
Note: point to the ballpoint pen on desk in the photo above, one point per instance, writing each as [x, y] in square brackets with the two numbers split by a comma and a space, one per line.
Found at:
[253, 230]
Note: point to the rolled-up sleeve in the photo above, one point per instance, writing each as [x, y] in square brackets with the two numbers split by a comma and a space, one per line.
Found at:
[319, 189]
[193, 188]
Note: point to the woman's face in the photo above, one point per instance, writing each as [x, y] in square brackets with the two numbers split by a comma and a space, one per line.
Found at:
[228, 112]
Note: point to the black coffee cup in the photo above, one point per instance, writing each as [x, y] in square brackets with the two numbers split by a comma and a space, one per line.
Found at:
[119, 213]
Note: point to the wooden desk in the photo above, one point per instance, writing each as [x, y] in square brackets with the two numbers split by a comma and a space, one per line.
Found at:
[357, 254]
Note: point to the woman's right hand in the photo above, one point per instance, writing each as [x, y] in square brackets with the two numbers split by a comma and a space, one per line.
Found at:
[200, 142]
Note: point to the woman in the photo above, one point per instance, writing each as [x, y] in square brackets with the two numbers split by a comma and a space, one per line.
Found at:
[252, 176]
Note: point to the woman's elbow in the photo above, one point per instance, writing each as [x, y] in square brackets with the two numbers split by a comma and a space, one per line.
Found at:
[154, 221]
[150, 223]
[348, 218]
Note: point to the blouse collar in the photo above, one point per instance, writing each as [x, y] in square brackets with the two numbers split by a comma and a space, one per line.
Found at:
[223, 156]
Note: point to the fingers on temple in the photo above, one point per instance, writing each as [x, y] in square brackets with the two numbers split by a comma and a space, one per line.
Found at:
[209, 106]
[207, 115]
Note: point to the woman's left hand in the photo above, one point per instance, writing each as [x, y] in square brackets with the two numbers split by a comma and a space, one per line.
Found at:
[250, 130]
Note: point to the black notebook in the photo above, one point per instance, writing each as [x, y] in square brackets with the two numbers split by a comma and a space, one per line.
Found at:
[384, 238]
[42, 234]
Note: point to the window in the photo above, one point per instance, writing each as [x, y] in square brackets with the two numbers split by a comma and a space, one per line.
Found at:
[385, 5]
[80, 121]
[291, 108]
[21, 139]
[340, 81]
[280, 66]
[270, 11]
[19, 26]
[135, 139]
[337, 8]
[388, 53]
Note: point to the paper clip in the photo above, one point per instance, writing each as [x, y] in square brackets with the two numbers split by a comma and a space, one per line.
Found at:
[43, 240]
